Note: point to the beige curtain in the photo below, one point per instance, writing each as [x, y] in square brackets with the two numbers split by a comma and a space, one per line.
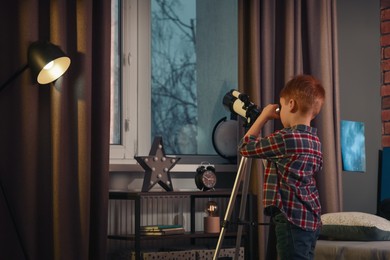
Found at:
[54, 151]
[277, 40]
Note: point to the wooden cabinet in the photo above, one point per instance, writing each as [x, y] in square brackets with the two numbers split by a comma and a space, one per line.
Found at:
[128, 211]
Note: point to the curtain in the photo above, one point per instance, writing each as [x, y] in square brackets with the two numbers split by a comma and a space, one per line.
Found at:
[54, 139]
[280, 39]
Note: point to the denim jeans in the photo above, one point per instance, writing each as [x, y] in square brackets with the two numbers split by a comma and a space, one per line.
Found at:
[293, 242]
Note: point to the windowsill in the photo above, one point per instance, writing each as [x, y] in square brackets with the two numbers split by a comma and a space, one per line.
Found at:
[187, 164]
[176, 169]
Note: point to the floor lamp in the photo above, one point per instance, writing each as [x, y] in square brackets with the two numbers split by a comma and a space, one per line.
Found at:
[47, 63]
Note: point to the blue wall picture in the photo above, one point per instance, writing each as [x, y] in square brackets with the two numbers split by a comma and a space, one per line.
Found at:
[353, 149]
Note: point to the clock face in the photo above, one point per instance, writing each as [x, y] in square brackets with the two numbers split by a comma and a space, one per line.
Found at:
[209, 179]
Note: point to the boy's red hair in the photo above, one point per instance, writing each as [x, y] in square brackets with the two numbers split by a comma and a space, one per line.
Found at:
[307, 91]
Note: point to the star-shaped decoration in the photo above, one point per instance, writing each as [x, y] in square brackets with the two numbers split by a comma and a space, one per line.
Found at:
[157, 166]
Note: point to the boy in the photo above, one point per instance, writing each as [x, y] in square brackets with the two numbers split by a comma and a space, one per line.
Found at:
[293, 155]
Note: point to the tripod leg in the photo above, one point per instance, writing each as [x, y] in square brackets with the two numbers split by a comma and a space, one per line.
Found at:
[229, 209]
[241, 217]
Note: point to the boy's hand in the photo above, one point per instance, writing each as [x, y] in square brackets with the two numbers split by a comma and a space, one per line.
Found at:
[269, 112]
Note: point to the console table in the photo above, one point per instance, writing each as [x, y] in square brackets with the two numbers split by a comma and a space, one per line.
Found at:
[249, 235]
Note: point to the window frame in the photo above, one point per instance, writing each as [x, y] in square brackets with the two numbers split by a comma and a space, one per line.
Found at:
[136, 86]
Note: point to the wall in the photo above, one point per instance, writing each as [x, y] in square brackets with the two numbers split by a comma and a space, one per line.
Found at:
[359, 61]
[385, 69]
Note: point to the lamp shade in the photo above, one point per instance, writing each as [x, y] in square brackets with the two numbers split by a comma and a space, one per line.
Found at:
[47, 61]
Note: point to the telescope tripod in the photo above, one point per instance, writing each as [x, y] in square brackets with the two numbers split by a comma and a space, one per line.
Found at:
[243, 170]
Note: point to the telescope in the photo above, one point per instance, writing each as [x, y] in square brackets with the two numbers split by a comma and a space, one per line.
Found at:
[239, 103]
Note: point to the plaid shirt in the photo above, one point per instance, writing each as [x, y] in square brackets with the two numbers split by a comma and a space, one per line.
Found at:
[293, 155]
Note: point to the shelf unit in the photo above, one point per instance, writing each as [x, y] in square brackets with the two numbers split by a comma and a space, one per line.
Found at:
[249, 234]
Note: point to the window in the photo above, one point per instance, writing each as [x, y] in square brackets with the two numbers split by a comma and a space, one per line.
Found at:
[172, 63]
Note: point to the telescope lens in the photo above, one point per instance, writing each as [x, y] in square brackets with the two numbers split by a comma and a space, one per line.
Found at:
[228, 101]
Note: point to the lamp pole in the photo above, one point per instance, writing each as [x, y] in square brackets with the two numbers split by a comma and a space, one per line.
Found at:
[14, 76]
[39, 55]
[7, 203]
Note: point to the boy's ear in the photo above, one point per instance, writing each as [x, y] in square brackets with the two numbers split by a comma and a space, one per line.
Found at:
[292, 105]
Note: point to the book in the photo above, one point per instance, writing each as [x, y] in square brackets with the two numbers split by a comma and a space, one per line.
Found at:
[161, 233]
[152, 233]
[172, 231]
[162, 230]
[160, 227]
